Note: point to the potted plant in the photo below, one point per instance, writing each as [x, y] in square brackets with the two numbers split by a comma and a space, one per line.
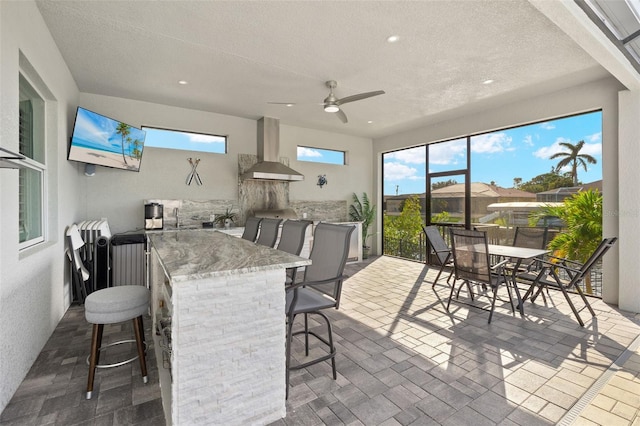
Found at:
[226, 219]
[363, 211]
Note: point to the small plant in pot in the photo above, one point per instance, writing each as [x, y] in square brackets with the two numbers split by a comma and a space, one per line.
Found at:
[226, 219]
[363, 211]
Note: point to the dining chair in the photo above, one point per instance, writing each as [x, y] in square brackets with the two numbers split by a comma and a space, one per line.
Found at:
[320, 289]
[269, 229]
[292, 240]
[528, 237]
[251, 227]
[440, 249]
[471, 265]
[565, 275]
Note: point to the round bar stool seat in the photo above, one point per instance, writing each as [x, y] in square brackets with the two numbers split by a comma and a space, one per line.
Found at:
[110, 306]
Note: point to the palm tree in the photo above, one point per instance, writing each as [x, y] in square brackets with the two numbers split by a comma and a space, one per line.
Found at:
[123, 130]
[365, 212]
[573, 158]
[582, 214]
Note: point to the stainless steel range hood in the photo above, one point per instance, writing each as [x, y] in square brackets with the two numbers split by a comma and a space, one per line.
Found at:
[269, 167]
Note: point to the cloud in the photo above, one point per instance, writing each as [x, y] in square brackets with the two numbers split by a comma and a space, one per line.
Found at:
[594, 149]
[547, 126]
[596, 137]
[491, 143]
[396, 171]
[528, 140]
[447, 152]
[411, 156]
[200, 138]
[308, 152]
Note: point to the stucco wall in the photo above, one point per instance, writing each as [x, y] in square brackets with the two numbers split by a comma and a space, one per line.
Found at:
[118, 195]
[34, 290]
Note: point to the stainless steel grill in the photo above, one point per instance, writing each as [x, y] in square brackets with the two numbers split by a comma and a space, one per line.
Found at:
[276, 214]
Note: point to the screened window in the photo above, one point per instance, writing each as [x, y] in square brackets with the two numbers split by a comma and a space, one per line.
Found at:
[188, 141]
[32, 175]
[319, 155]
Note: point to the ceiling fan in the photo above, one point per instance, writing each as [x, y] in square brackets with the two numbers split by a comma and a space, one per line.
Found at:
[332, 104]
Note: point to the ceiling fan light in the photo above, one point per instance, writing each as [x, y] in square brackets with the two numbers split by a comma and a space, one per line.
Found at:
[331, 108]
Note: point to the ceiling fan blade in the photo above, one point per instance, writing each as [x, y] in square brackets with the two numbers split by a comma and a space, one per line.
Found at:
[359, 96]
[342, 116]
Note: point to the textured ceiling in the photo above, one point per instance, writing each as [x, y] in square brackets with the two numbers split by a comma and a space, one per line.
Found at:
[238, 55]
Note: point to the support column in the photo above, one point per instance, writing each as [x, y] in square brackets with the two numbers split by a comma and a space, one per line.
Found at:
[628, 212]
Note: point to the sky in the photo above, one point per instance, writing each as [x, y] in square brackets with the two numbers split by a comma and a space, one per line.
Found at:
[160, 138]
[499, 156]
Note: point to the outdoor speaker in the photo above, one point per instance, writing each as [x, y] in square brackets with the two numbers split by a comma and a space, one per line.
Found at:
[89, 169]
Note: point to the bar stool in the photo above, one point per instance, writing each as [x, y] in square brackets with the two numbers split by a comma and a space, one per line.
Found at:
[113, 305]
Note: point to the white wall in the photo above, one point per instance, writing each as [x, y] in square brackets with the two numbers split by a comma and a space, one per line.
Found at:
[118, 195]
[629, 210]
[343, 181]
[602, 94]
[34, 290]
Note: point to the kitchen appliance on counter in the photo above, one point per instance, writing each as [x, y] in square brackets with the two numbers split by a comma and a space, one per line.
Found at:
[153, 214]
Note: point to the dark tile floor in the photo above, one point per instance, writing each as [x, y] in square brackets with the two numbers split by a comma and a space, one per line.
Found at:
[54, 390]
[402, 360]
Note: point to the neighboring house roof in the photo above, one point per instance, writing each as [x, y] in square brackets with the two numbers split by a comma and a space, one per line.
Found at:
[479, 189]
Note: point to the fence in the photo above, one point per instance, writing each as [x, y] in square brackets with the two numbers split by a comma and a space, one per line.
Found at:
[416, 249]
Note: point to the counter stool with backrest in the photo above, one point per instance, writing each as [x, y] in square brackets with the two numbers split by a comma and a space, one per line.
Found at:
[269, 232]
[292, 240]
[251, 227]
[113, 305]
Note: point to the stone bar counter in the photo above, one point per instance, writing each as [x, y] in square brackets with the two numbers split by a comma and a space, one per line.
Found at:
[226, 299]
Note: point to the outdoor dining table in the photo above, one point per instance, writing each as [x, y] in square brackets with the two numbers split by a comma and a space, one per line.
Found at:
[517, 254]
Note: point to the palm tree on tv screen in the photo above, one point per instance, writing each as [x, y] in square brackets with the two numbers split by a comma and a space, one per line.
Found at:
[573, 158]
[123, 130]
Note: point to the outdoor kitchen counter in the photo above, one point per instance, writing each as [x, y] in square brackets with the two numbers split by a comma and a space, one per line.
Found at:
[195, 254]
[226, 299]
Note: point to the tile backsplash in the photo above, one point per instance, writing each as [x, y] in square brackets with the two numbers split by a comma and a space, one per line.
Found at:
[193, 212]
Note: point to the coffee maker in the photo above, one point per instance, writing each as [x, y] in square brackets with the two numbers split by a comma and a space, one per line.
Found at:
[153, 216]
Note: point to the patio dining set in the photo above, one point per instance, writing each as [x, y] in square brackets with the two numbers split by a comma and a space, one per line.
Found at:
[475, 264]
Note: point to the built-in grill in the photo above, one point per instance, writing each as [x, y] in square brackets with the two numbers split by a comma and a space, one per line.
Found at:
[276, 214]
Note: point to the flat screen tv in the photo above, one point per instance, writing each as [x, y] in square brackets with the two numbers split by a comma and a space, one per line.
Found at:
[105, 142]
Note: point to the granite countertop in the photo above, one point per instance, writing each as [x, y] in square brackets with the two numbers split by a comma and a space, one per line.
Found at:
[196, 254]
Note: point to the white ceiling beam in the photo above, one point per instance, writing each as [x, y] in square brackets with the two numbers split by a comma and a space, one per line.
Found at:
[571, 19]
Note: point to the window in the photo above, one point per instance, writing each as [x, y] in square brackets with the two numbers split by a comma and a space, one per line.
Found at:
[489, 181]
[318, 155]
[31, 144]
[188, 141]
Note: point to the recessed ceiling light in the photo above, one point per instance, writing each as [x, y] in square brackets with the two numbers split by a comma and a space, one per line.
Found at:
[393, 38]
[489, 81]
[289, 105]
[183, 82]
[370, 121]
